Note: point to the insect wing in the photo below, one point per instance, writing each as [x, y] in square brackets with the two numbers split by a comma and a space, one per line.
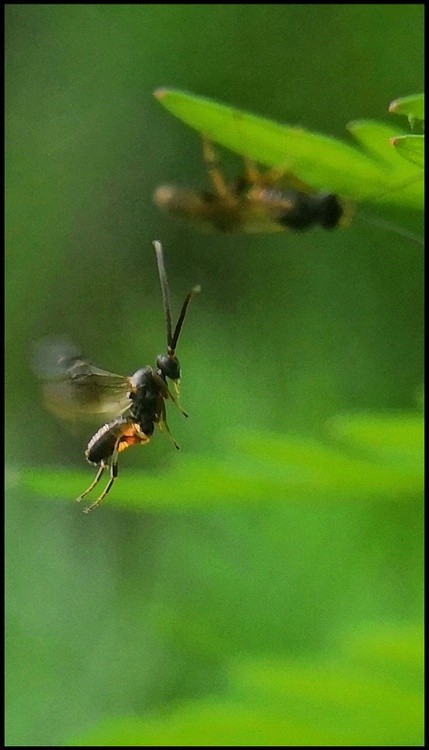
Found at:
[74, 388]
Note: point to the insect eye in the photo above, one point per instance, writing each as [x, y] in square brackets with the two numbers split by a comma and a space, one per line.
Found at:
[169, 366]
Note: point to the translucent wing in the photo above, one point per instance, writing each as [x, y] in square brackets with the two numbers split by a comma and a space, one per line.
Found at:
[74, 388]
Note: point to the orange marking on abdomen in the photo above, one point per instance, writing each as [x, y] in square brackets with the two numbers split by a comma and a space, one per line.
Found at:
[132, 436]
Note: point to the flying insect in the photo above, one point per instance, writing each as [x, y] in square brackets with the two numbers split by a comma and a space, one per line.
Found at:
[74, 388]
[254, 202]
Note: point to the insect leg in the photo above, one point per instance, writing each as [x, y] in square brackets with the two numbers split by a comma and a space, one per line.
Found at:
[275, 174]
[162, 424]
[272, 176]
[165, 391]
[175, 401]
[253, 175]
[92, 485]
[214, 172]
[113, 475]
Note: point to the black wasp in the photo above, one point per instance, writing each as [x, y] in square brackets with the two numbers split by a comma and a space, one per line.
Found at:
[74, 388]
[253, 202]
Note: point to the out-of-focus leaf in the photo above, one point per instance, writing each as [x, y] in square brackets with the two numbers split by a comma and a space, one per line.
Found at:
[396, 436]
[374, 138]
[358, 698]
[396, 647]
[264, 467]
[323, 162]
[412, 106]
[411, 147]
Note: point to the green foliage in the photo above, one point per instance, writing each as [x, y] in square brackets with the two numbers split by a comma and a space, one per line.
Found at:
[368, 694]
[374, 173]
[209, 609]
[412, 106]
[259, 467]
[411, 147]
[396, 436]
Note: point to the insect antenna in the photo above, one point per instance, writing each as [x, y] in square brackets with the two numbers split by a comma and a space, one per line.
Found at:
[173, 343]
[171, 337]
[164, 288]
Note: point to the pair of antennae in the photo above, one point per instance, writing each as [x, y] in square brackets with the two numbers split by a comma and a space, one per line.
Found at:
[172, 338]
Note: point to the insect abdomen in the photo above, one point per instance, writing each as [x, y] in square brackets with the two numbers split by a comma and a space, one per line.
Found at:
[306, 211]
[102, 444]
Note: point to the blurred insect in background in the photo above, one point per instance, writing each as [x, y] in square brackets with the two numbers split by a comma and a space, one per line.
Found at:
[74, 388]
[273, 201]
[254, 202]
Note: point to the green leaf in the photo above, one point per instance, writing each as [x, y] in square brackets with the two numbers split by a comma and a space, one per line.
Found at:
[412, 106]
[374, 137]
[321, 161]
[261, 467]
[411, 147]
[397, 437]
[369, 693]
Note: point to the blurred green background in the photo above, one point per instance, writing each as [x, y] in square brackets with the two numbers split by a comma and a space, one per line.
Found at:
[252, 607]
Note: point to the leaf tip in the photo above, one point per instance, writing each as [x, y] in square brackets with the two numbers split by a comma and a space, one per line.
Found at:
[160, 94]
